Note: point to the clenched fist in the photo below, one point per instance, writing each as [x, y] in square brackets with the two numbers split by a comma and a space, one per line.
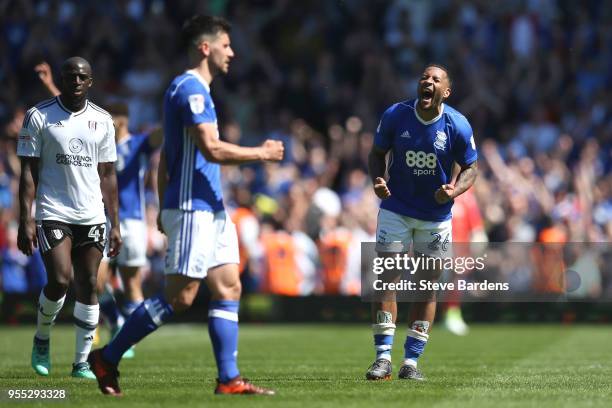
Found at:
[444, 194]
[44, 73]
[273, 150]
[381, 189]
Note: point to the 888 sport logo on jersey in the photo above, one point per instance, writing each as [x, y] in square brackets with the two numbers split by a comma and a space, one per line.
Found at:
[422, 163]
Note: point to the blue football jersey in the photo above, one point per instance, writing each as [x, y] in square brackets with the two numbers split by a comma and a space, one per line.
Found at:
[133, 154]
[194, 183]
[421, 157]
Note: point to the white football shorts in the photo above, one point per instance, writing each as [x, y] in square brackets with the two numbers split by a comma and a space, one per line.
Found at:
[198, 241]
[395, 233]
[134, 249]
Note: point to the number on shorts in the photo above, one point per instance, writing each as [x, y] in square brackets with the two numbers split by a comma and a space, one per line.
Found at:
[439, 242]
[97, 232]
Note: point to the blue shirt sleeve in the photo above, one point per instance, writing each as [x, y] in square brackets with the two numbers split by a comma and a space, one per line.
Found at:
[384, 132]
[464, 147]
[196, 105]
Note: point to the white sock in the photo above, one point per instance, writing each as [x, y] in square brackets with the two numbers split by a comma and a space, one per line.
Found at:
[85, 321]
[410, 362]
[47, 312]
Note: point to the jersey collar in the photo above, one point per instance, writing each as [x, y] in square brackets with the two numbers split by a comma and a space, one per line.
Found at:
[199, 78]
[428, 122]
[59, 101]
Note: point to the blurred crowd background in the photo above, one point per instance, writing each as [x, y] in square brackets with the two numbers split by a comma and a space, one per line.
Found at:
[532, 76]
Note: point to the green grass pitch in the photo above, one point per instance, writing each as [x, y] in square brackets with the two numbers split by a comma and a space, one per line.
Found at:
[324, 365]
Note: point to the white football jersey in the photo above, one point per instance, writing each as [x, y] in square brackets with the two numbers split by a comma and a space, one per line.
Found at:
[70, 145]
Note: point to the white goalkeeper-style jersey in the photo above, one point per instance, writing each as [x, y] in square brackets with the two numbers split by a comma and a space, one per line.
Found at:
[70, 145]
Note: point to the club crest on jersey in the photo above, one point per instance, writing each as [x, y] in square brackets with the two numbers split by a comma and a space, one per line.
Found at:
[196, 103]
[92, 125]
[440, 142]
[75, 145]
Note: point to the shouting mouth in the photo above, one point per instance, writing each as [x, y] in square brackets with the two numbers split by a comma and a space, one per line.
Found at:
[427, 94]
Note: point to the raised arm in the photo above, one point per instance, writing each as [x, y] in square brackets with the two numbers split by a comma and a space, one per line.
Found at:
[28, 182]
[108, 186]
[218, 151]
[46, 77]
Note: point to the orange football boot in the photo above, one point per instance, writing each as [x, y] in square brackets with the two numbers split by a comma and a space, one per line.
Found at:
[241, 385]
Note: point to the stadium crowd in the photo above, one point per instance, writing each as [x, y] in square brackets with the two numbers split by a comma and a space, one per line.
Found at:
[533, 77]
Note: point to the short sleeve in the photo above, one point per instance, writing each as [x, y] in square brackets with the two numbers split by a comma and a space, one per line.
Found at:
[30, 135]
[107, 152]
[196, 106]
[384, 132]
[464, 148]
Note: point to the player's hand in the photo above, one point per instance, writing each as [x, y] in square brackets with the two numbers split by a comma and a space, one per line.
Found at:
[444, 194]
[44, 73]
[381, 189]
[114, 241]
[26, 237]
[273, 150]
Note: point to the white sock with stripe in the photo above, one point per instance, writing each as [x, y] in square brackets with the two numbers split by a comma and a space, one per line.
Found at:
[47, 312]
[85, 320]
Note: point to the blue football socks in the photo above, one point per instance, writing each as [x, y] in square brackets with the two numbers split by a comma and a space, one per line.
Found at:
[416, 340]
[147, 317]
[109, 309]
[223, 331]
[384, 331]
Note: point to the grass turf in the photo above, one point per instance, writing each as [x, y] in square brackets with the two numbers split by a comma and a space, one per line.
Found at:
[324, 365]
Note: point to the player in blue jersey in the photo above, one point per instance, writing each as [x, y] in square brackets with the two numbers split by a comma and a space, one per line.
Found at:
[133, 156]
[424, 139]
[202, 238]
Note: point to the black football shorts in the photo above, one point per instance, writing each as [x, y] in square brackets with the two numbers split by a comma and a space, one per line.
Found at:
[51, 233]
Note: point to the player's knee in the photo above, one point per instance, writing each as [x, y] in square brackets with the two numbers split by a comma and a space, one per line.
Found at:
[57, 288]
[87, 282]
[181, 302]
[229, 290]
[179, 305]
[235, 290]
[59, 281]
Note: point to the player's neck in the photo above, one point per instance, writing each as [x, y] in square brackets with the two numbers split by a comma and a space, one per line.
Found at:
[74, 105]
[430, 114]
[204, 71]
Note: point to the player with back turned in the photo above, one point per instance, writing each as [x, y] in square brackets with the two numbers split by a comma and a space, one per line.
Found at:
[203, 244]
[425, 138]
[67, 151]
